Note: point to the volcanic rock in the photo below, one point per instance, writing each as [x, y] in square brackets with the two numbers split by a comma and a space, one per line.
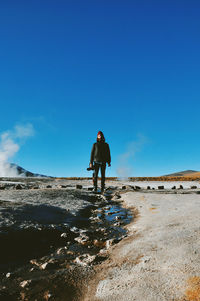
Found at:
[85, 259]
[137, 187]
[18, 187]
[79, 186]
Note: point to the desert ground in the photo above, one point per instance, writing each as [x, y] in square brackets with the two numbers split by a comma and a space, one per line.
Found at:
[60, 241]
[160, 258]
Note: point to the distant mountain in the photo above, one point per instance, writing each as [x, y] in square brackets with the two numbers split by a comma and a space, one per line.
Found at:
[184, 173]
[23, 172]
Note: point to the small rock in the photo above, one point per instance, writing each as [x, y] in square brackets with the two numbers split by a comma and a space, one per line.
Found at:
[90, 188]
[94, 219]
[51, 264]
[18, 187]
[82, 231]
[47, 295]
[193, 187]
[109, 243]
[25, 283]
[64, 235]
[161, 187]
[123, 187]
[137, 187]
[84, 259]
[36, 187]
[181, 187]
[34, 261]
[174, 187]
[82, 239]
[103, 252]
[99, 243]
[145, 259]
[79, 186]
[117, 196]
[48, 186]
[43, 266]
[63, 186]
[61, 250]
[148, 187]
[117, 224]
[75, 230]
[8, 275]
[102, 229]
[2, 187]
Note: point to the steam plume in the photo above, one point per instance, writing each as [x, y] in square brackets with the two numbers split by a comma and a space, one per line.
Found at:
[10, 142]
[125, 169]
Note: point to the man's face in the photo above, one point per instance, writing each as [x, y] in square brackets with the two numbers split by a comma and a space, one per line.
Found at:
[99, 137]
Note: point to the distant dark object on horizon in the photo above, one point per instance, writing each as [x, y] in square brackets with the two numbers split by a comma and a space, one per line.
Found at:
[184, 173]
[23, 172]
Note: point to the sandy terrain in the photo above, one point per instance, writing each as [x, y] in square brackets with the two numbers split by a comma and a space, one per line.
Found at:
[160, 259]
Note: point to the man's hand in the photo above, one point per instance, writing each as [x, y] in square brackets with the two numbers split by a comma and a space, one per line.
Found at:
[109, 164]
[90, 165]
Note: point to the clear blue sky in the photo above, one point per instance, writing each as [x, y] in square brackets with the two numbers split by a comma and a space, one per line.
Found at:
[128, 68]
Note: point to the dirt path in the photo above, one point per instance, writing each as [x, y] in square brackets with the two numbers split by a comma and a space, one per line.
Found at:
[160, 260]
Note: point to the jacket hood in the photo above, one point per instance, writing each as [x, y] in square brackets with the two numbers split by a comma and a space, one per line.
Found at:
[102, 137]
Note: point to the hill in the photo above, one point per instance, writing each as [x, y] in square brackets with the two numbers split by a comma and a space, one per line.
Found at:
[23, 172]
[185, 173]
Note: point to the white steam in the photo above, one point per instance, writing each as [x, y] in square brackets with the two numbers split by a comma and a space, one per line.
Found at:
[125, 169]
[10, 143]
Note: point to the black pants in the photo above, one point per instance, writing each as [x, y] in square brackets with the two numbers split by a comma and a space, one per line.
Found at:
[95, 174]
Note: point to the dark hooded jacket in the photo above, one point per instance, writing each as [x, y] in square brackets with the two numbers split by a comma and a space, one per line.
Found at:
[100, 152]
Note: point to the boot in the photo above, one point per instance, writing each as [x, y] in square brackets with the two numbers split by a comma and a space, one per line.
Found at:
[95, 184]
[102, 189]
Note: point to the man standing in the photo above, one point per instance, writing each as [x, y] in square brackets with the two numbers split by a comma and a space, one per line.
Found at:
[100, 155]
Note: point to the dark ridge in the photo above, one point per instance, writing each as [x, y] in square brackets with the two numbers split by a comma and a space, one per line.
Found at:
[21, 171]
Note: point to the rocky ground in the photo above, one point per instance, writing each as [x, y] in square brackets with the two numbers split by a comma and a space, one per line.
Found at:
[60, 241]
[53, 233]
